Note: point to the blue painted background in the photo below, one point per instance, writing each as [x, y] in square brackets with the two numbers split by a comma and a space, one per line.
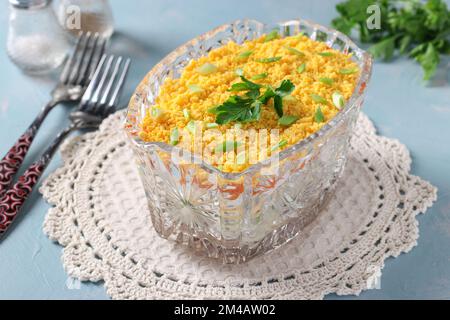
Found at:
[397, 100]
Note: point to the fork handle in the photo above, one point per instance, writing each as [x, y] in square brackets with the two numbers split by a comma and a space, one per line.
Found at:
[13, 200]
[15, 156]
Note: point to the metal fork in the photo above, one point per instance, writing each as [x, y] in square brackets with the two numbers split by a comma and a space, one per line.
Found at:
[75, 77]
[99, 100]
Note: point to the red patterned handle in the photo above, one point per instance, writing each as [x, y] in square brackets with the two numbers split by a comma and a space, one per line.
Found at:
[13, 159]
[14, 198]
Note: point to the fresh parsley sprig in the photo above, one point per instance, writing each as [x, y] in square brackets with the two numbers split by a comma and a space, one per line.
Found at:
[247, 107]
[418, 29]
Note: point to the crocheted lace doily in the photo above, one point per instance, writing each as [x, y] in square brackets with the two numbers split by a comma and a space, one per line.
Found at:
[100, 217]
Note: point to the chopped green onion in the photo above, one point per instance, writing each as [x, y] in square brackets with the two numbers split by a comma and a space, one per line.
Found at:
[227, 146]
[186, 114]
[239, 72]
[326, 54]
[271, 36]
[260, 76]
[287, 120]
[338, 100]
[211, 125]
[279, 145]
[318, 116]
[289, 98]
[269, 60]
[195, 88]
[319, 99]
[294, 51]
[348, 70]
[191, 127]
[301, 68]
[327, 81]
[156, 112]
[245, 54]
[174, 137]
[207, 68]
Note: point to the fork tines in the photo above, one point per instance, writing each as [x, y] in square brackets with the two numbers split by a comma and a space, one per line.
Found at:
[101, 96]
[80, 67]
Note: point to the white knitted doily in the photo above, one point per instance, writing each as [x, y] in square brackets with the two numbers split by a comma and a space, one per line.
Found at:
[100, 217]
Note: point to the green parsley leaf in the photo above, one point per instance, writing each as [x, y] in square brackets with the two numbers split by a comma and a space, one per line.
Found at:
[327, 81]
[318, 116]
[269, 60]
[238, 108]
[248, 107]
[286, 87]
[245, 85]
[384, 49]
[278, 105]
[419, 29]
[404, 44]
[319, 99]
[213, 110]
[429, 61]
[287, 120]
[267, 95]
[301, 68]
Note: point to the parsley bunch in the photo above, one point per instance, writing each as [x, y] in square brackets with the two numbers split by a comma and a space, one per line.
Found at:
[247, 108]
[414, 28]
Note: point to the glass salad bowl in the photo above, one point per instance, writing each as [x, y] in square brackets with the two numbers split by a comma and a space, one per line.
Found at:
[236, 216]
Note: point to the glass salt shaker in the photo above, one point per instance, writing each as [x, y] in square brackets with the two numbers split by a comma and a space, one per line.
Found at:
[36, 43]
[94, 16]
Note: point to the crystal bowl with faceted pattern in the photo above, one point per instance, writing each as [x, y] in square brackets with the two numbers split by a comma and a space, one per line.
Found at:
[236, 216]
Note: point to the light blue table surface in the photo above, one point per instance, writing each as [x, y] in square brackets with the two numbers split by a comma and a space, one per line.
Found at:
[397, 101]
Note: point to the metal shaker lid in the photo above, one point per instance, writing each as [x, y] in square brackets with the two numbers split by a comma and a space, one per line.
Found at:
[29, 4]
